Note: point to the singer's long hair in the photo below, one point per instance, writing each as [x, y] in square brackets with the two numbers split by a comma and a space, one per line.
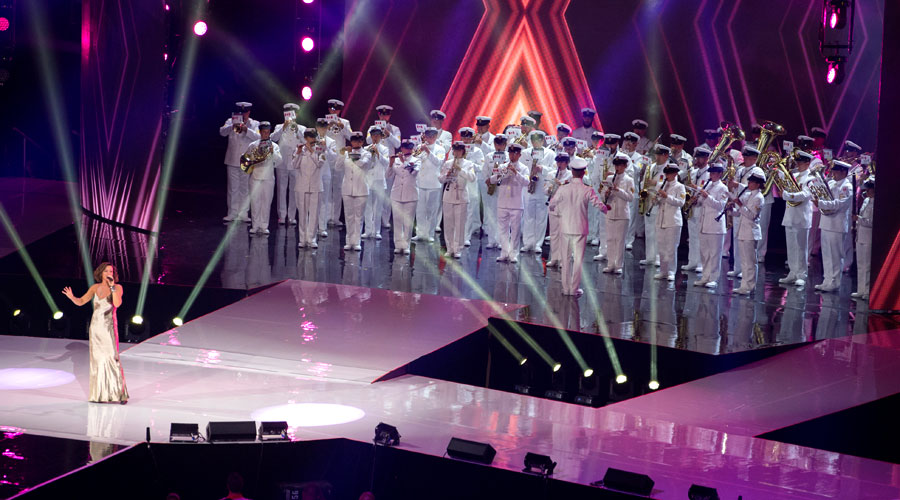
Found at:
[98, 273]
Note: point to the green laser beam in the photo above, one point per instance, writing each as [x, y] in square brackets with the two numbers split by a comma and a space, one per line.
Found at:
[210, 266]
[26, 258]
[58, 121]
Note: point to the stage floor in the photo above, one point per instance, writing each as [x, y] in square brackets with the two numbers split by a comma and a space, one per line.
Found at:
[261, 359]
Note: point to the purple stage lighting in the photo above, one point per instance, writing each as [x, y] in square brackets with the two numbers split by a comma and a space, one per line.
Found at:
[4, 24]
[306, 93]
[32, 378]
[307, 43]
[200, 28]
[309, 414]
[307, 1]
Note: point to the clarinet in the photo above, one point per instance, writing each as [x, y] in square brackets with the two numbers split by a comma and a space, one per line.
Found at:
[650, 210]
[727, 205]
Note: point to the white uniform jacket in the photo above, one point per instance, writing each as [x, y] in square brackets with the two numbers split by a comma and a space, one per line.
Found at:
[238, 143]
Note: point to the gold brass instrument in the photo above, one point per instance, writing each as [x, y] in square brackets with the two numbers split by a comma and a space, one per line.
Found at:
[533, 175]
[491, 187]
[451, 176]
[258, 155]
[522, 140]
[237, 126]
[776, 168]
[819, 188]
[609, 190]
[644, 193]
[730, 133]
[780, 171]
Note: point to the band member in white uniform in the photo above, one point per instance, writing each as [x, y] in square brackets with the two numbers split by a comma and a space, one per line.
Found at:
[656, 179]
[697, 178]
[639, 127]
[375, 178]
[326, 143]
[444, 137]
[635, 169]
[669, 200]
[432, 156]
[511, 180]
[680, 156]
[586, 130]
[456, 173]
[288, 135]
[308, 160]
[339, 131]
[391, 139]
[570, 203]
[262, 180]
[712, 201]
[540, 163]
[797, 222]
[473, 209]
[240, 130]
[492, 163]
[618, 192]
[599, 160]
[747, 208]
[484, 140]
[354, 161]
[403, 170]
[834, 223]
[562, 131]
[611, 145]
[864, 241]
[560, 176]
[739, 186]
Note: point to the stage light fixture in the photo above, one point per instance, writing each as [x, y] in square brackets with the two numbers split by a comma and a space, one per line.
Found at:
[184, 433]
[137, 319]
[628, 482]
[541, 465]
[386, 435]
[556, 367]
[588, 372]
[58, 315]
[19, 323]
[4, 24]
[58, 325]
[307, 1]
[177, 321]
[698, 492]
[165, 56]
[653, 385]
[523, 361]
[200, 28]
[621, 379]
[835, 73]
[135, 329]
[836, 13]
[306, 93]
[620, 391]
[307, 44]
[271, 431]
[17, 312]
[167, 7]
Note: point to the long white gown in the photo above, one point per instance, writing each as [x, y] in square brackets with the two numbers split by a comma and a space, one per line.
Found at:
[107, 377]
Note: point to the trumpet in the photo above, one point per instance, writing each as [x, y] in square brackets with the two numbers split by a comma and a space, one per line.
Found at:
[452, 175]
[372, 149]
[236, 126]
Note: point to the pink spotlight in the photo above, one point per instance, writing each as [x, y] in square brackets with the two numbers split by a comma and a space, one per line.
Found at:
[306, 93]
[307, 1]
[307, 43]
[834, 19]
[200, 28]
[832, 73]
[165, 56]
[4, 24]
[167, 6]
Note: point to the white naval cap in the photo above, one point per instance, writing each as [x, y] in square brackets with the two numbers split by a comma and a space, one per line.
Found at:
[804, 138]
[620, 157]
[702, 150]
[597, 135]
[613, 137]
[750, 151]
[527, 120]
[437, 114]
[482, 120]
[564, 127]
[430, 131]
[852, 145]
[663, 149]
[631, 136]
[384, 107]
[588, 111]
[288, 106]
[467, 131]
[757, 172]
[678, 139]
[639, 123]
[242, 105]
[840, 165]
[536, 134]
[335, 103]
[265, 125]
[818, 131]
[804, 156]
[578, 166]
[376, 129]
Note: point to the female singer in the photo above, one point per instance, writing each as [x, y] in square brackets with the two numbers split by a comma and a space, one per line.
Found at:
[107, 377]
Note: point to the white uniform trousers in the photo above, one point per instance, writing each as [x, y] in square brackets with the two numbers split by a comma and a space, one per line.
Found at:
[748, 264]
[308, 205]
[601, 233]
[455, 226]
[615, 242]
[374, 210]
[863, 259]
[651, 252]
[439, 213]
[593, 223]
[667, 240]
[337, 178]
[325, 204]
[261, 193]
[489, 210]
[765, 217]
[848, 250]
[797, 241]
[832, 258]
[693, 225]
[572, 261]
[284, 192]
[636, 226]
[534, 222]
[473, 214]
[556, 240]
[509, 221]
[238, 192]
[403, 213]
[736, 249]
[387, 208]
[427, 210]
[711, 255]
[353, 214]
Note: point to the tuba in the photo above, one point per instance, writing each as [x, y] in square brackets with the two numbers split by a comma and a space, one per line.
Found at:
[818, 186]
[777, 168]
[258, 155]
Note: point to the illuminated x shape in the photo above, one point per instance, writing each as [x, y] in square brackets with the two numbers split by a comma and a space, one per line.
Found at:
[522, 57]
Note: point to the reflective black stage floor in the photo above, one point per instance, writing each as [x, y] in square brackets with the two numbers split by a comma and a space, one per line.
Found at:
[631, 306]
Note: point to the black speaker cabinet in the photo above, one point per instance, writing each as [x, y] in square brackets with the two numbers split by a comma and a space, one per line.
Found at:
[471, 450]
[231, 431]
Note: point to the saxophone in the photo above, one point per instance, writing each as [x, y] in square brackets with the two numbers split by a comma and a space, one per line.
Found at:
[451, 176]
[491, 187]
[259, 154]
[644, 193]
[533, 175]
